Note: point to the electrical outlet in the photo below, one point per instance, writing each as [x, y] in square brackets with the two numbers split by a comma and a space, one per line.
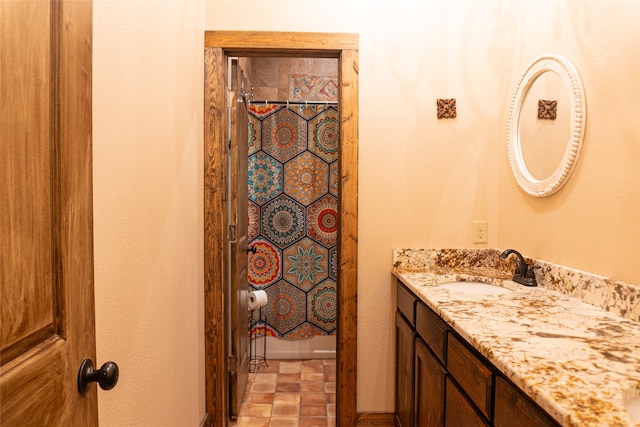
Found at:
[480, 231]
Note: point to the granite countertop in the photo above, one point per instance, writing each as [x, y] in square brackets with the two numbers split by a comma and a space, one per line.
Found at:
[579, 362]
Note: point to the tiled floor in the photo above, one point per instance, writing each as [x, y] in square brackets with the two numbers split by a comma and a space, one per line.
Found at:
[290, 393]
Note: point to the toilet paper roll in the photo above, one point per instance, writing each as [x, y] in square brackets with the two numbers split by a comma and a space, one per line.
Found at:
[257, 299]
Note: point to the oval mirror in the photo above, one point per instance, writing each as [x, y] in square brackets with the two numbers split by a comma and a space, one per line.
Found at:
[546, 125]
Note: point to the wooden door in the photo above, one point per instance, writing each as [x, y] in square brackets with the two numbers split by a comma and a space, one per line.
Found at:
[46, 244]
[239, 218]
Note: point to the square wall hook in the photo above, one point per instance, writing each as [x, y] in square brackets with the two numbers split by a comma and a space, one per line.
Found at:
[446, 108]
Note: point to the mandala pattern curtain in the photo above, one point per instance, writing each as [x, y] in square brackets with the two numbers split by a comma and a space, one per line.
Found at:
[293, 219]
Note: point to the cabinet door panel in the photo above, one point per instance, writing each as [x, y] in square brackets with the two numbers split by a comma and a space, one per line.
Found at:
[471, 373]
[429, 388]
[459, 412]
[513, 409]
[405, 342]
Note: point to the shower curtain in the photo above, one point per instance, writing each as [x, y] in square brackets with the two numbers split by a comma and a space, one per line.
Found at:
[293, 219]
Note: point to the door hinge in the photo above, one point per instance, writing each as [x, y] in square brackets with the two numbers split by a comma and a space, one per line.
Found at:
[232, 233]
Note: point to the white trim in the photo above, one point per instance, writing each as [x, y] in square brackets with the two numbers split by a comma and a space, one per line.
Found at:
[317, 347]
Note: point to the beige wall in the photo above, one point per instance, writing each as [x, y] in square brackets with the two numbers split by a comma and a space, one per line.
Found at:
[592, 224]
[422, 180]
[148, 131]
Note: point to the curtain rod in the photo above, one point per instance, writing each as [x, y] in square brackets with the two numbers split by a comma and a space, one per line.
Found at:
[295, 102]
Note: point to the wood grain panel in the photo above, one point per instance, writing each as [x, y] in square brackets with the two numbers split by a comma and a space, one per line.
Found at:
[514, 409]
[432, 329]
[239, 371]
[429, 388]
[348, 240]
[27, 290]
[368, 419]
[474, 377]
[404, 387]
[256, 42]
[215, 238]
[458, 411]
[19, 403]
[406, 302]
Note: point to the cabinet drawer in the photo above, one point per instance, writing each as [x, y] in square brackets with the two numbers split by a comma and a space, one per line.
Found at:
[514, 409]
[432, 329]
[471, 373]
[406, 303]
[459, 411]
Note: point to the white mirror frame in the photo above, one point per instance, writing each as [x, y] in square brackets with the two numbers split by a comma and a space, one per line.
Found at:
[578, 109]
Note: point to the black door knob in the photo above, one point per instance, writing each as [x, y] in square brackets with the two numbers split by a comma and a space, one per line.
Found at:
[106, 376]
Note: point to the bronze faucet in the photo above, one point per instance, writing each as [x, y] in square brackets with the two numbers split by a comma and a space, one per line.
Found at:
[524, 273]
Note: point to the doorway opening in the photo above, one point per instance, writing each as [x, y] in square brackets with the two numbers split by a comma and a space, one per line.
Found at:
[292, 202]
[219, 46]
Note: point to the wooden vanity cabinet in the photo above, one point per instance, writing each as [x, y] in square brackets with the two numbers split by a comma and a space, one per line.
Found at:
[442, 382]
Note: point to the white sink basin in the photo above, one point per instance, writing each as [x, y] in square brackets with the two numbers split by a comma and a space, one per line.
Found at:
[477, 288]
[633, 407]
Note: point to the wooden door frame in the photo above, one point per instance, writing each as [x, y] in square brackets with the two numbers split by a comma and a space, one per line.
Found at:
[218, 46]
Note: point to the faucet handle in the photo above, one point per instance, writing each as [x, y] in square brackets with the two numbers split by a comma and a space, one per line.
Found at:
[530, 280]
[530, 274]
